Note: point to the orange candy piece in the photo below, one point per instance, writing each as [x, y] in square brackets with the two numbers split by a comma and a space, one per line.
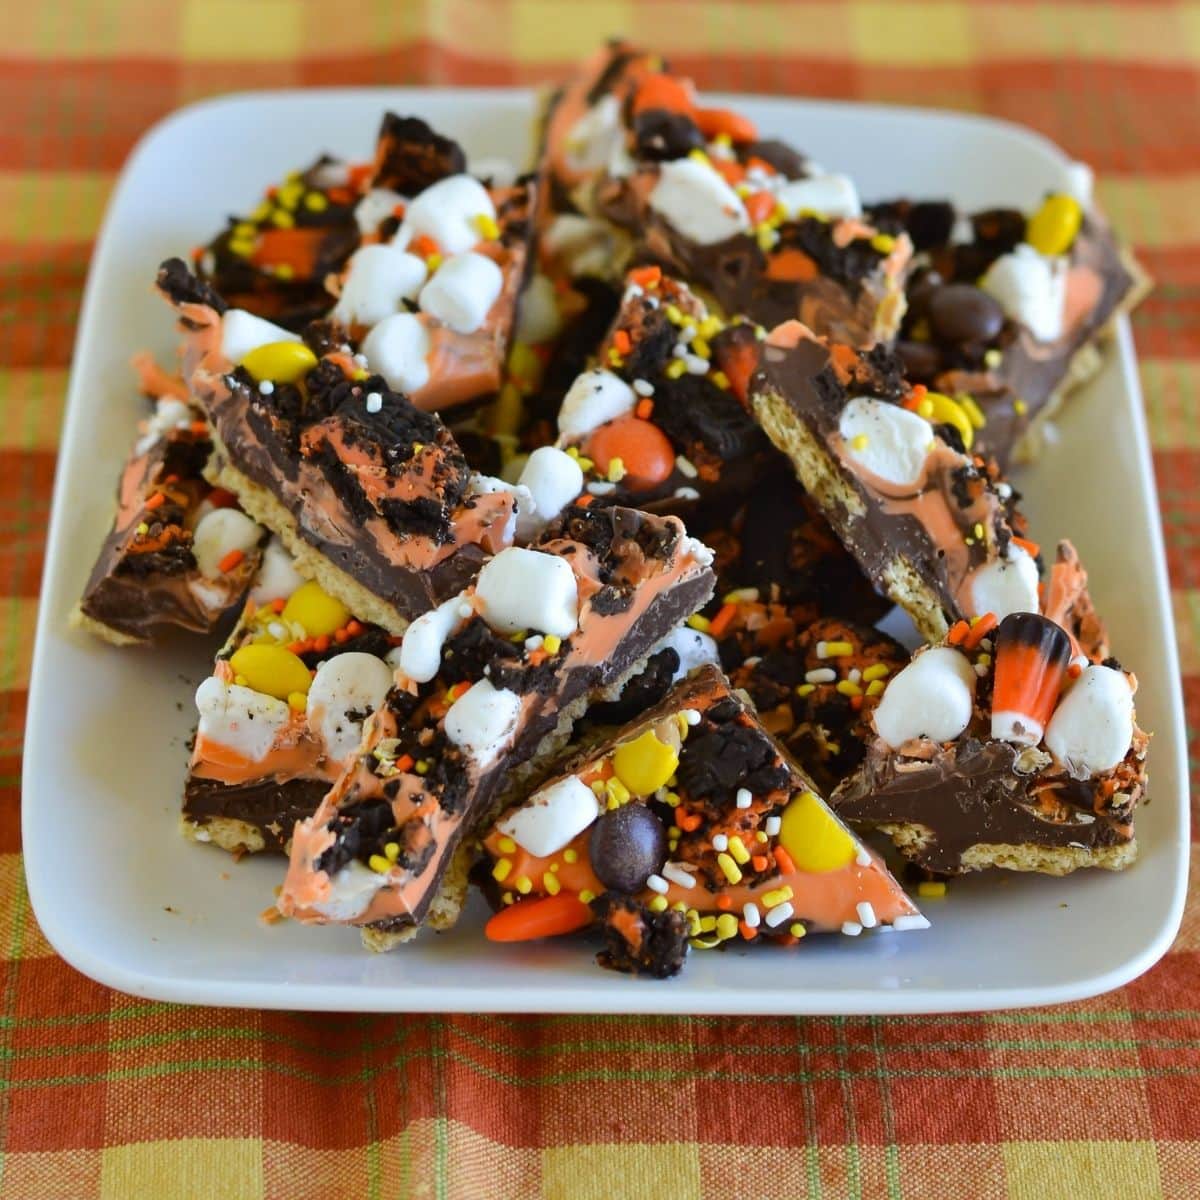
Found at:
[643, 448]
[549, 916]
[663, 91]
[714, 121]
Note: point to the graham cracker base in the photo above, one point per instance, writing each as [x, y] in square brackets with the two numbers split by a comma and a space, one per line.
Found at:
[258, 504]
[106, 633]
[226, 833]
[840, 503]
[1024, 856]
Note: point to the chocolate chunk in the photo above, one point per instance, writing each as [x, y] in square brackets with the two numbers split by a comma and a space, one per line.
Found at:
[410, 156]
[660, 135]
[692, 409]
[638, 941]
[961, 312]
[627, 845]
[1000, 228]
[642, 692]
[788, 162]
[359, 828]
[180, 286]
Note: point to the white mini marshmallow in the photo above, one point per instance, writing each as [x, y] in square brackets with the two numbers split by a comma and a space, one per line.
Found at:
[277, 576]
[447, 211]
[375, 207]
[552, 817]
[346, 684]
[596, 397]
[698, 202]
[593, 139]
[242, 332]
[1080, 183]
[219, 533]
[420, 654]
[525, 589]
[897, 441]
[1031, 288]
[240, 718]
[829, 195]
[694, 648]
[1005, 586]
[554, 479]
[1092, 727]
[538, 317]
[170, 413]
[353, 888]
[482, 721]
[933, 697]
[379, 278]
[396, 348]
[462, 291]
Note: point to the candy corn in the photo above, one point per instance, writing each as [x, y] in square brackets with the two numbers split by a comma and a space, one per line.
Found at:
[1032, 654]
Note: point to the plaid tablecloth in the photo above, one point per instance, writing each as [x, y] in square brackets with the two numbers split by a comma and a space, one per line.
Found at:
[103, 1095]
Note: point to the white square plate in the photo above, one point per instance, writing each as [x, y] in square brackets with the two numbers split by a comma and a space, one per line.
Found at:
[124, 899]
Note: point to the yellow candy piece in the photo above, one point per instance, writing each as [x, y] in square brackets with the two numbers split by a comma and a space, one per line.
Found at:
[942, 410]
[813, 837]
[280, 362]
[1052, 229]
[314, 608]
[645, 764]
[271, 670]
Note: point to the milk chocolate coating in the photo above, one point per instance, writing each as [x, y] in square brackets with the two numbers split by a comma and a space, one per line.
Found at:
[271, 806]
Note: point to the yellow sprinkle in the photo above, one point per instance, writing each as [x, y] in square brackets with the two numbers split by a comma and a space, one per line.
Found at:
[508, 898]
[847, 687]
[598, 787]
[519, 636]
[552, 643]
[698, 155]
[614, 358]
[701, 347]
[696, 621]
[1020, 407]
[378, 863]
[285, 271]
[796, 929]
[572, 451]
[727, 926]
[676, 368]
[740, 854]
[423, 767]
[721, 380]
[391, 851]
[925, 407]
[616, 470]
[289, 195]
[766, 237]
[617, 791]
[523, 884]
[282, 219]
[672, 799]
[805, 689]
[262, 212]
[658, 904]
[884, 243]
[487, 227]
[612, 803]
[875, 687]
[585, 463]
[776, 897]
[316, 202]
[297, 701]
[587, 895]
[710, 327]
[837, 649]
[673, 314]
[554, 867]
[551, 884]
[931, 888]
[243, 230]
[761, 836]
[507, 845]
[859, 441]
[679, 906]
[876, 671]
[729, 868]
[978, 531]
[433, 262]
[501, 870]
[143, 528]
[984, 660]
[708, 924]
[359, 375]
[570, 855]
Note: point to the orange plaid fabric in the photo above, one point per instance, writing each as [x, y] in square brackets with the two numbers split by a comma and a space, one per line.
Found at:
[104, 1095]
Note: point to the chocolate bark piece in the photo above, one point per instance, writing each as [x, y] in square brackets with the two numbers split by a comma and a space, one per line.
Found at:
[750, 852]
[657, 421]
[273, 262]
[932, 526]
[1029, 800]
[476, 710]
[639, 941]
[261, 761]
[146, 577]
[371, 494]
[1016, 375]
[409, 156]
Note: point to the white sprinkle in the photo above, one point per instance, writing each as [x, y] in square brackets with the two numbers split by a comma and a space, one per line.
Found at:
[360, 361]
[820, 675]
[851, 928]
[779, 914]
[866, 914]
[772, 825]
[277, 631]
[656, 883]
[686, 333]
[863, 857]
[822, 649]
[676, 874]
[744, 798]
[750, 914]
[1004, 490]
[633, 291]
[652, 301]
[601, 488]
[691, 716]
[686, 467]
[696, 365]
[686, 493]
[720, 843]
[680, 350]
[266, 387]
[980, 670]
[643, 387]
[910, 921]
[534, 642]
[374, 402]
[465, 610]
[854, 675]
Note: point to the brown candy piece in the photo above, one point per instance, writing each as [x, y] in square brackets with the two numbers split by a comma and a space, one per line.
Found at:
[627, 845]
[961, 312]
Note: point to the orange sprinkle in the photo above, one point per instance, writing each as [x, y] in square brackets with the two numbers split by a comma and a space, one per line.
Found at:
[759, 862]
[199, 428]
[729, 169]
[645, 406]
[1074, 670]
[687, 821]
[537, 657]
[341, 636]
[155, 501]
[354, 627]
[746, 932]
[856, 703]
[321, 644]
[170, 479]
[297, 647]
[405, 762]
[980, 630]
[584, 500]
[231, 560]
[759, 207]
[1030, 548]
[919, 391]
[783, 860]
[622, 342]
[645, 277]
[724, 903]
[714, 121]
[958, 632]
[721, 622]
[423, 245]
[278, 604]
[220, 498]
